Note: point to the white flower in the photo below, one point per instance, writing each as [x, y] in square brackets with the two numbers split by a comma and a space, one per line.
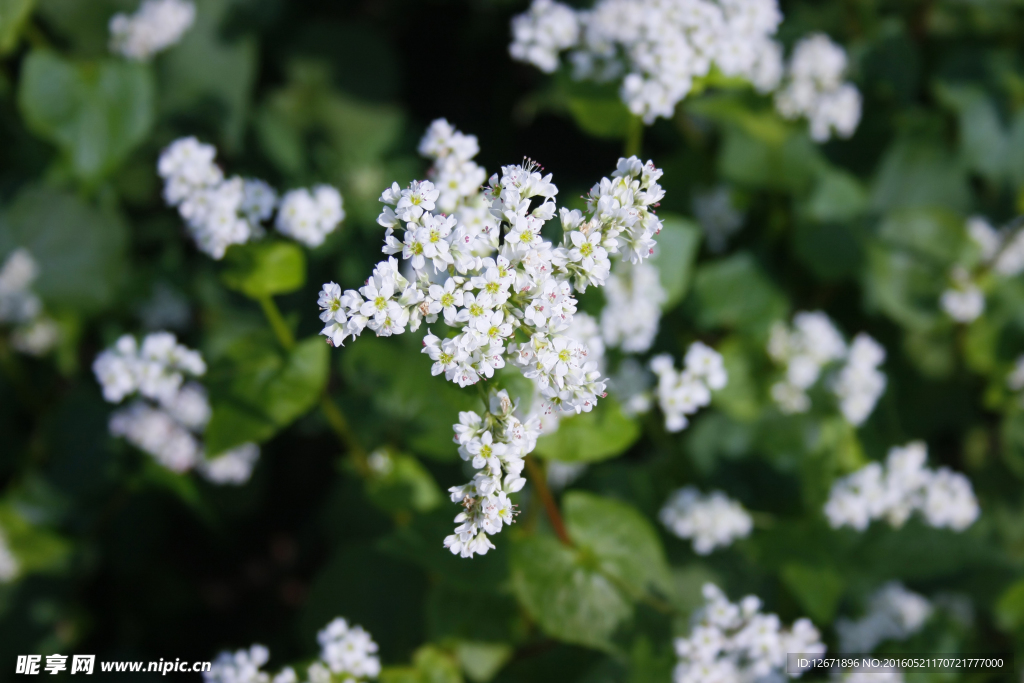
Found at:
[233, 466]
[243, 666]
[815, 89]
[348, 650]
[17, 302]
[730, 643]
[945, 498]
[309, 217]
[157, 433]
[711, 521]
[656, 48]
[894, 613]
[632, 312]
[684, 393]
[154, 27]
[964, 302]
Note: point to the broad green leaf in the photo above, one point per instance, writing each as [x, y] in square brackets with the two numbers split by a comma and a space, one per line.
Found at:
[837, 197]
[13, 14]
[96, 113]
[904, 287]
[1010, 608]
[584, 593]
[677, 249]
[597, 108]
[602, 433]
[934, 234]
[266, 393]
[621, 538]
[818, 589]
[919, 173]
[482, 661]
[734, 292]
[402, 484]
[265, 268]
[764, 126]
[983, 139]
[209, 76]
[566, 593]
[404, 392]
[787, 166]
[832, 251]
[37, 549]
[79, 249]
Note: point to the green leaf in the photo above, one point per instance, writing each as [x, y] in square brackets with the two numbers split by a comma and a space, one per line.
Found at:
[622, 539]
[787, 166]
[818, 589]
[584, 593]
[905, 288]
[920, 172]
[983, 139]
[597, 108]
[837, 197]
[265, 268]
[565, 592]
[36, 549]
[933, 234]
[735, 292]
[80, 250]
[209, 76]
[96, 113]
[677, 249]
[602, 433]
[482, 661]
[266, 392]
[13, 14]
[404, 485]
[1010, 608]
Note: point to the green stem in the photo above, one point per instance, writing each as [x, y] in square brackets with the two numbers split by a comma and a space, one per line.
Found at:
[339, 423]
[634, 137]
[335, 417]
[277, 323]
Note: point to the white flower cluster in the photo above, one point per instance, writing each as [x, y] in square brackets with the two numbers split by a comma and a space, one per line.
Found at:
[632, 311]
[9, 564]
[904, 485]
[514, 306]
[1001, 251]
[34, 333]
[495, 445]
[155, 26]
[894, 613]
[223, 211]
[813, 343]
[964, 302]
[656, 47]
[732, 643]
[814, 88]
[347, 654]
[711, 520]
[171, 414]
[682, 393]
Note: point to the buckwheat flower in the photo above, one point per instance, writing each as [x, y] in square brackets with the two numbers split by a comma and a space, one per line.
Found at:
[814, 89]
[155, 26]
[710, 521]
[243, 666]
[541, 33]
[632, 311]
[233, 466]
[36, 338]
[985, 237]
[683, 393]
[18, 304]
[9, 565]
[309, 217]
[348, 651]
[964, 302]
[860, 384]
[259, 200]
[894, 613]
[903, 486]
[737, 642]
[189, 407]
[154, 431]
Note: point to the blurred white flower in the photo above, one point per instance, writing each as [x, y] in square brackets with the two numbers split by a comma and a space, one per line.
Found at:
[155, 26]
